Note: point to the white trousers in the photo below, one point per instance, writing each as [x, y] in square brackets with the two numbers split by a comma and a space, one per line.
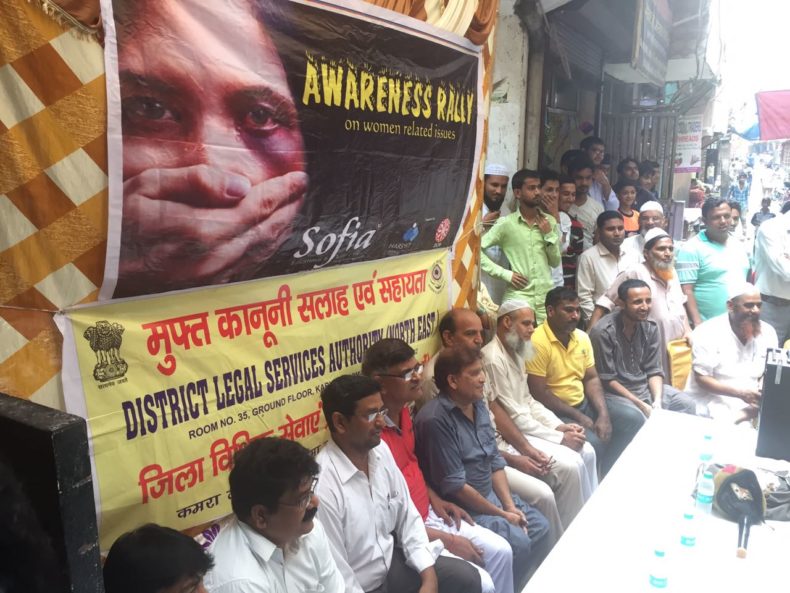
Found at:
[538, 494]
[497, 577]
[560, 495]
[573, 477]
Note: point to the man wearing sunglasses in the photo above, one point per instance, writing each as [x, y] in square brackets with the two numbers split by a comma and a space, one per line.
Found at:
[274, 543]
[378, 538]
[392, 363]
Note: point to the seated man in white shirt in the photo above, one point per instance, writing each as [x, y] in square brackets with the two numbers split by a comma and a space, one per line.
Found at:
[154, 559]
[274, 544]
[728, 358]
[378, 537]
[574, 461]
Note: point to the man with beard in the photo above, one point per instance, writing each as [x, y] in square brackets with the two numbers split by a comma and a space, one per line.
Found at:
[627, 349]
[392, 363]
[562, 377]
[457, 449]
[584, 209]
[600, 264]
[667, 310]
[273, 543]
[710, 262]
[527, 466]
[494, 190]
[574, 476]
[651, 216]
[365, 504]
[728, 358]
[529, 239]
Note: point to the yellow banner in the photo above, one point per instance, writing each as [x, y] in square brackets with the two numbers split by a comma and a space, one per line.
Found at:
[171, 386]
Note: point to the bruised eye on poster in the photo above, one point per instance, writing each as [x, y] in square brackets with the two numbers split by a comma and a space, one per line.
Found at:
[252, 138]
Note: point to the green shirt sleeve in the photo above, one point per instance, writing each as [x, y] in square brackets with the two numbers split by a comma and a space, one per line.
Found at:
[493, 238]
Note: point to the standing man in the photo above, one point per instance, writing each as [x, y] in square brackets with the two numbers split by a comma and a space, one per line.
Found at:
[627, 349]
[504, 358]
[600, 264]
[456, 446]
[530, 241]
[494, 191]
[728, 358]
[647, 175]
[600, 188]
[772, 263]
[667, 309]
[763, 214]
[378, 538]
[572, 232]
[740, 192]
[584, 209]
[651, 216]
[562, 377]
[710, 262]
[550, 202]
[273, 544]
[628, 168]
[391, 362]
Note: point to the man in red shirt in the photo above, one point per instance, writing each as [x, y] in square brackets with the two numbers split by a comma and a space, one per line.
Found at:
[392, 363]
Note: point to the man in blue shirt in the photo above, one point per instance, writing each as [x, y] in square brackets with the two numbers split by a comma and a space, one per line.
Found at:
[458, 454]
[740, 192]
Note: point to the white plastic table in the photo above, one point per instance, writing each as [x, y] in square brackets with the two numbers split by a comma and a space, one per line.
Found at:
[639, 506]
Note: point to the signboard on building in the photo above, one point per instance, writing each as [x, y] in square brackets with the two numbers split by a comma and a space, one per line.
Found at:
[688, 144]
[652, 32]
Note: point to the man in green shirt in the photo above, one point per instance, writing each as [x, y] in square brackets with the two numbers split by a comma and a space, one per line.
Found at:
[530, 240]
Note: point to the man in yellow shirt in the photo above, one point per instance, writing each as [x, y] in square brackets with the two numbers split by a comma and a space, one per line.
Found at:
[562, 377]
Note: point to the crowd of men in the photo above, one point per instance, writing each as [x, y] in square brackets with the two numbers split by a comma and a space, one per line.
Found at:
[459, 472]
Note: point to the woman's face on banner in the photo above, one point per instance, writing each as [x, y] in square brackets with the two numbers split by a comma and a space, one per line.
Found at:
[202, 83]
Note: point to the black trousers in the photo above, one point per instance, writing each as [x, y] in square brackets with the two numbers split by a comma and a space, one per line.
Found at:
[454, 576]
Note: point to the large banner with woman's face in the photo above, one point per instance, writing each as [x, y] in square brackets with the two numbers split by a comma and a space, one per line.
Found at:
[251, 138]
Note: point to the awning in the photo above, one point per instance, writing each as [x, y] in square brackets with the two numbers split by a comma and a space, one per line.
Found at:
[773, 112]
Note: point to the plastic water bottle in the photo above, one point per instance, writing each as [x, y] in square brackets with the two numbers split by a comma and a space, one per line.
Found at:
[705, 455]
[706, 451]
[688, 533]
[658, 571]
[705, 490]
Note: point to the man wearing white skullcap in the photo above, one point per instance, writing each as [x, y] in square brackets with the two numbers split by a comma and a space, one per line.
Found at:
[494, 190]
[728, 357]
[573, 475]
[651, 215]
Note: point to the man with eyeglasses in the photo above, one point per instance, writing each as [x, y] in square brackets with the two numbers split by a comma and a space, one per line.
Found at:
[274, 544]
[392, 363]
[378, 538]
